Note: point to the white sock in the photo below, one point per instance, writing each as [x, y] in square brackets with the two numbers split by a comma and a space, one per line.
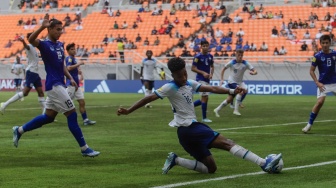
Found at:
[21, 131]
[15, 98]
[42, 102]
[223, 104]
[238, 102]
[146, 92]
[191, 165]
[243, 153]
[83, 148]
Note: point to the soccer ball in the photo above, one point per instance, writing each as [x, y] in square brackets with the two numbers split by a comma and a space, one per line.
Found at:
[277, 168]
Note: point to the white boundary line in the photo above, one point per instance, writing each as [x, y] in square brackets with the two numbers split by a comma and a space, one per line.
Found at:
[273, 125]
[276, 134]
[240, 175]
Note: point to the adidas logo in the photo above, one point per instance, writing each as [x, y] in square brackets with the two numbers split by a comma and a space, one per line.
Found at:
[102, 88]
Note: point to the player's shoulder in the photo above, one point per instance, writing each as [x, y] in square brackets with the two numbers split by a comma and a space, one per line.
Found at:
[333, 52]
[198, 55]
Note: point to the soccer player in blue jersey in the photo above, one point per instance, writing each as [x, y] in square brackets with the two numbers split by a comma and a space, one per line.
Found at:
[58, 100]
[204, 69]
[32, 78]
[325, 61]
[73, 68]
[195, 137]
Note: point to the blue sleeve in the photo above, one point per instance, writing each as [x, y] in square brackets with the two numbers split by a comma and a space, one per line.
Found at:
[68, 61]
[212, 60]
[314, 61]
[42, 46]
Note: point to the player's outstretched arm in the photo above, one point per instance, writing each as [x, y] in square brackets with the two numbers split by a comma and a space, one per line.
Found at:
[33, 37]
[221, 90]
[139, 104]
[24, 43]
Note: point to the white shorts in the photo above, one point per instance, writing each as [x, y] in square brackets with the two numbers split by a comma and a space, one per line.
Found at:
[59, 100]
[206, 84]
[75, 95]
[328, 88]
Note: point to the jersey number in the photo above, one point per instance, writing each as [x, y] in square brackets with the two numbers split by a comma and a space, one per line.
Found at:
[69, 103]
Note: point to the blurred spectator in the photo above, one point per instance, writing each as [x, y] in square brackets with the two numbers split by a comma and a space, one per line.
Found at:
[94, 50]
[115, 26]
[162, 30]
[138, 18]
[138, 38]
[219, 33]
[253, 47]
[327, 17]
[100, 49]
[208, 7]
[166, 21]
[181, 43]
[318, 35]
[315, 4]
[276, 51]
[291, 35]
[191, 45]
[202, 20]
[104, 10]
[67, 21]
[135, 25]
[146, 42]
[157, 41]
[120, 46]
[154, 31]
[34, 21]
[226, 19]
[328, 28]
[282, 51]
[245, 9]
[112, 55]
[118, 13]
[281, 16]
[124, 38]
[246, 47]
[111, 39]
[261, 8]
[125, 25]
[188, 8]
[186, 24]
[105, 40]
[110, 12]
[176, 21]
[214, 16]
[86, 53]
[80, 51]
[306, 35]
[275, 32]
[213, 43]
[78, 14]
[228, 48]
[41, 21]
[155, 12]
[79, 26]
[147, 8]
[9, 44]
[141, 9]
[172, 10]
[304, 46]
[240, 32]
[219, 48]
[263, 47]
[128, 45]
[16, 38]
[107, 2]
[312, 24]
[233, 53]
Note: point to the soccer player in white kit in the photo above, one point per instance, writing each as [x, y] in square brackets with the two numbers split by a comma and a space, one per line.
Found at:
[32, 78]
[238, 67]
[195, 137]
[147, 74]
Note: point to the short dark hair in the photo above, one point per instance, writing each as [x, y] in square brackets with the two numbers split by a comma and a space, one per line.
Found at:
[69, 46]
[325, 37]
[204, 42]
[240, 51]
[28, 35]
[54, 22]
[176, 64]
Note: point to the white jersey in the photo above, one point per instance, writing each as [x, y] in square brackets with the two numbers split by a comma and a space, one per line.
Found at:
[18, 70]
[148, 69]
[237, 70]
[181, 99]
[33, 59]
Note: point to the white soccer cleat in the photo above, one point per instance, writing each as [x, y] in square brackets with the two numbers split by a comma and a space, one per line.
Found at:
[2, 109]
[206, 120]
[307, 128]
[232, 106]
[236, 113]
[22, 99]
[216, 112]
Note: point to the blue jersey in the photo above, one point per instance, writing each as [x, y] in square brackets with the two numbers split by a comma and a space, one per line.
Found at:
[326, 66]
[203, 63]
[74, 72]
[53, 58]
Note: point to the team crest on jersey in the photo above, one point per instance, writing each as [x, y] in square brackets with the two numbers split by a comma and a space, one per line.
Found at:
[322, 58]
[196, 60]
[52, 48]
[314, 59]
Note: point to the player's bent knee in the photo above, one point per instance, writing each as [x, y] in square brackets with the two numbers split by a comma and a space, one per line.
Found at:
[212, 169]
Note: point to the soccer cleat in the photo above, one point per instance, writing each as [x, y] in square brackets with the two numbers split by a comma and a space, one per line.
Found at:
[271, 162]
[206, 120]
[216, 112]
[16, 136]
[307, 128]
[90, 153]
[89, 122]
[236, 113]
[232, 106]
[148, 105]
[22, 99]
[2, 109]
[241, 105]
[170, 162]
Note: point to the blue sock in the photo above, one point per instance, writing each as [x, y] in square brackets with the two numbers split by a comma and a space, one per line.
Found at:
[197, 103]
[84, 116]
[312, 118]
[204, 110]
[75, 129]
[243, 97]
[37, 122]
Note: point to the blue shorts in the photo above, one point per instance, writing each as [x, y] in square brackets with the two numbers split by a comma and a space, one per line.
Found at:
[196, 139]
[33, 79]
[150, 84]
[17, 82]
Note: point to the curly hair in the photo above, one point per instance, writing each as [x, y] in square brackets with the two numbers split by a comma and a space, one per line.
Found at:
[176, 64]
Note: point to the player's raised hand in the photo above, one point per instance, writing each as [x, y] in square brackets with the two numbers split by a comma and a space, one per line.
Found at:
[20, 39]
[122, 111]
[46, 22]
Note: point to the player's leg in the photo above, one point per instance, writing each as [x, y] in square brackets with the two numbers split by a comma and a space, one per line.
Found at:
[13, 99]
[239, 100]
[223, 143]
[65, 105]
[198, 102]
[204, 100]
[40, 94]
[316, 109]
[227, 101]
[86, 120]
[148, 91]
[19, 88]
